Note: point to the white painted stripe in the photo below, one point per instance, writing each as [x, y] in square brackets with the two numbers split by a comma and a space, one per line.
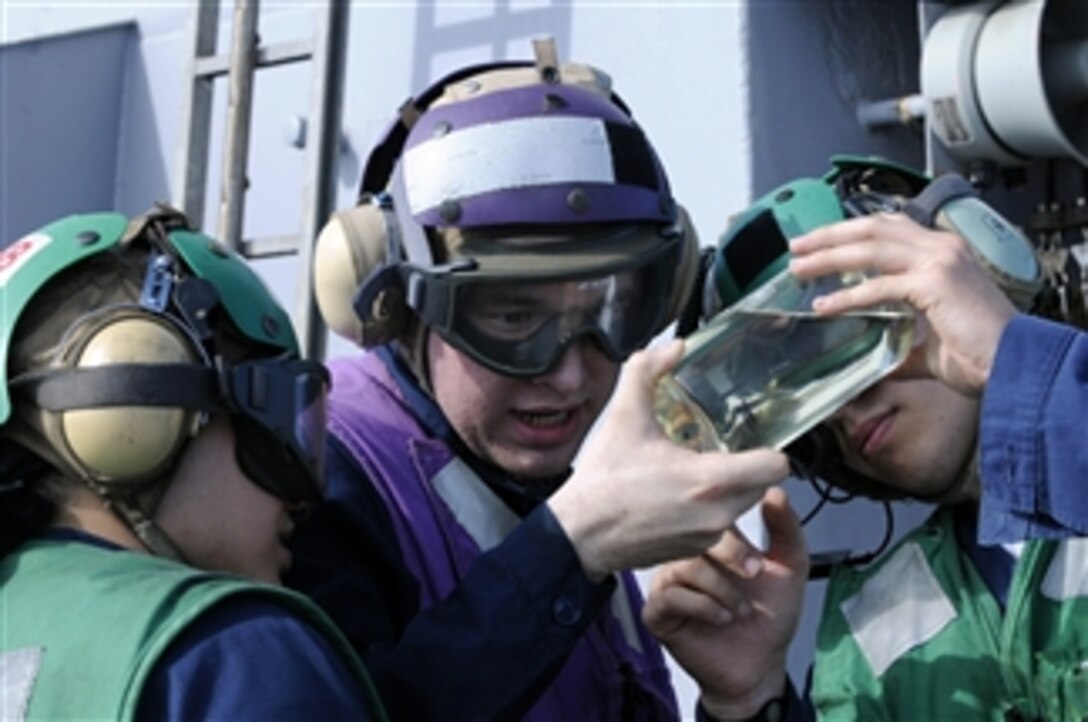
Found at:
[508, 154]
[478, 509]
[18, 253]
[1067, 576]
[18, 672]
[898, 609]
[488, 521]
[621, 609]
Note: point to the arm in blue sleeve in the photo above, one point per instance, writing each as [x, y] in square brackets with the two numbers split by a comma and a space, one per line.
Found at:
[1033, 443]
[488, 650]
[250, 659]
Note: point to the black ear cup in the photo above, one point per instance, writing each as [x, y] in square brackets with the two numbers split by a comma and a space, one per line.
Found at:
[687, 268]
[950, 203]
[118, 445]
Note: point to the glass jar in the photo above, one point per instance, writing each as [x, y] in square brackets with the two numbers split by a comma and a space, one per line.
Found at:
[767, 369]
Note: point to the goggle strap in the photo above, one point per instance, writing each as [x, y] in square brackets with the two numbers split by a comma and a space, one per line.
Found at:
[195, 299]
[925, 206]
[155, 385]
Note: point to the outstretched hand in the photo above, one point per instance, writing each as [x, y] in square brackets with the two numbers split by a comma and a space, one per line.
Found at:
[637, 499]
[729, 622]
[964, 311]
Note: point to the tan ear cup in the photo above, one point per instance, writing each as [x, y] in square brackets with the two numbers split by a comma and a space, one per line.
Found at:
[349, 248]
[687, 269]
[125, 444]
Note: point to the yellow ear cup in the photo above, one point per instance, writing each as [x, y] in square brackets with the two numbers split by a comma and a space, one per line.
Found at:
[353, 244]
[128, 443]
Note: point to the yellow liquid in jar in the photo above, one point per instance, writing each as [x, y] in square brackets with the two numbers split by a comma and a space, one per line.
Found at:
[763, 378]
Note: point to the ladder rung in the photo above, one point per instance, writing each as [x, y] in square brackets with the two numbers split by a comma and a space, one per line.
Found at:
[269, 246]
[211, 66]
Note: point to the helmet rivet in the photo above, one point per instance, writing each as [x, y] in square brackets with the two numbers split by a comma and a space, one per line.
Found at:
[783, 196]
[441, 129]
[270, 326]
[667, 204]
[218, 249]
[450, 211]
[554, 101]
[471, 86]
[578, 200]
[87, 238]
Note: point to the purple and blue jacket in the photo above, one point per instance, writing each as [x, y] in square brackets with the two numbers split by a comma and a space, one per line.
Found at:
[462, 594]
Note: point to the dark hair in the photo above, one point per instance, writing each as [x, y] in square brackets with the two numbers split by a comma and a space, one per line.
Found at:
[25, 510]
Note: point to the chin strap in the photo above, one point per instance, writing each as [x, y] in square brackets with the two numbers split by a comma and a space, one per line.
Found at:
[149, 533]
[146, 530]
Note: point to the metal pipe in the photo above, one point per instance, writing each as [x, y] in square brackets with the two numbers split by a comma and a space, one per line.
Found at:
[196, 116]
[239, 109]
[330, 59]
[895, 111]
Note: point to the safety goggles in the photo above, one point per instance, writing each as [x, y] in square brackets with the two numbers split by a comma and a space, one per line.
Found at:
[522, 324]
[277, 411]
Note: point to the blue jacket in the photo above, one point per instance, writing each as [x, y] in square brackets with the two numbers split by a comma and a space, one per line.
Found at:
[466, 600]
[1033, 443]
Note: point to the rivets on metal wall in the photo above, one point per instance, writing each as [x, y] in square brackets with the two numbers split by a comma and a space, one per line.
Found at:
[450, 211]
[294, 131]
[578, 200]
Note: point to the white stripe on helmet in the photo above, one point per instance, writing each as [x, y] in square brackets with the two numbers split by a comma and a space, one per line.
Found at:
[498, 156]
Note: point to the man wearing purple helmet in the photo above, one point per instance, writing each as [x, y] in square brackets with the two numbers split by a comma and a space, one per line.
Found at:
[515, 241]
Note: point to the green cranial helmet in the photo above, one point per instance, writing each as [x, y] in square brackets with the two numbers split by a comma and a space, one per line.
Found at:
[754, 249]
[29, 263]
[120, 337]
[755, 245]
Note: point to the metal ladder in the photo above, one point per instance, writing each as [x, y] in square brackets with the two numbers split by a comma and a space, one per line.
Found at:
[327, 51]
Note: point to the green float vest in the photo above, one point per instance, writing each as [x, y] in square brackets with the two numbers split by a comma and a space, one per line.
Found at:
[81, 627]
[919, 636]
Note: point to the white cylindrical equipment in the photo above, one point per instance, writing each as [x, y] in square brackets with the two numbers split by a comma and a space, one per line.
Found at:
[1008, 81]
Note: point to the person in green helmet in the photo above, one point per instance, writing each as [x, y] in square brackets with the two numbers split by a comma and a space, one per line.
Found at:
[158, 433]
[978, 614]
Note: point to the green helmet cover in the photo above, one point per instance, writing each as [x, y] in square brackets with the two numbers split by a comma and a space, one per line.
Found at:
[30, 262]
[244, 295]
[754, 248]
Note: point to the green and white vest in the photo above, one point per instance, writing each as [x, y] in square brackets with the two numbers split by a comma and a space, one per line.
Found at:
[82, 627]
[919, 636]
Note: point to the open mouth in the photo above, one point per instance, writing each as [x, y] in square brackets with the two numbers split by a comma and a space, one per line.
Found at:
[544, 419]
